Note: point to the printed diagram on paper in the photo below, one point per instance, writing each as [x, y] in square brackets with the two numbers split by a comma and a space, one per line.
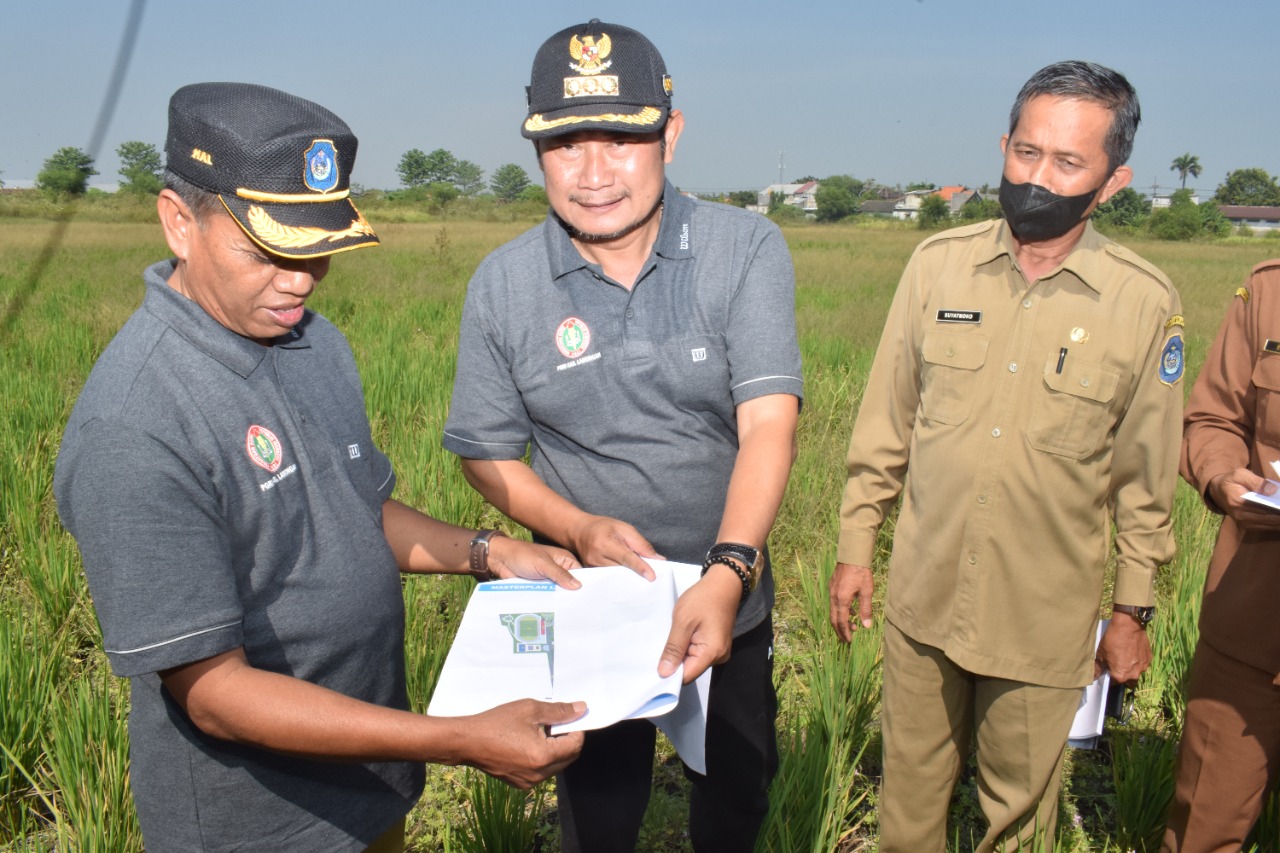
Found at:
[599, 644]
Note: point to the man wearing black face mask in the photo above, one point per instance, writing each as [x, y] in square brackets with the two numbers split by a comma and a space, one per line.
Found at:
[1028, 379]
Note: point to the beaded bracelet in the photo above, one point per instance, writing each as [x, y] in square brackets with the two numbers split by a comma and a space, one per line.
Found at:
[726, 561]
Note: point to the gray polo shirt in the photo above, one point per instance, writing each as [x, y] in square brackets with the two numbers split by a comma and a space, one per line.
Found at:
[626, 399]
[227, 494]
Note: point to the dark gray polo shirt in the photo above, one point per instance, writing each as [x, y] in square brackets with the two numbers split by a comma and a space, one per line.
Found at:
[228, 494]
[627, 399]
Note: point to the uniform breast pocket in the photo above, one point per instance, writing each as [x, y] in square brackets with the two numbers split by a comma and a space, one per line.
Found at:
[949, 377]
[1266, 378]
[1072, 413]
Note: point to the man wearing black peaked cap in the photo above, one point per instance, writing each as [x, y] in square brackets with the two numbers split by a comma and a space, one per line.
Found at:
[236, 522]
[642, 346]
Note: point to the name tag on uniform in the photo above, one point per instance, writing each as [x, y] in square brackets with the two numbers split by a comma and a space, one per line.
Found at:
[1271, 346]
[951, 315]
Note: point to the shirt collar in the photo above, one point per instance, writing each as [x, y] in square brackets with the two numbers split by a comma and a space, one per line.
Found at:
[1082, 261]
[203, 332]
[673, 239]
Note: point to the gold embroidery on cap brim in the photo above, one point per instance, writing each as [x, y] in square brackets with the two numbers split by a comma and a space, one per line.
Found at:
[647, 116]
[298, 237]
[294, 198]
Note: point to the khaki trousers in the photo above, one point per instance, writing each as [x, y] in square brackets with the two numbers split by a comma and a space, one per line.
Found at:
[931, 711]
[1229, 756]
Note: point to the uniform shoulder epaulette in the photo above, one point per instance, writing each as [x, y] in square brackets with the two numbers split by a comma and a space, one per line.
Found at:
[1271, 264]
[962, 232]
[1138, 262]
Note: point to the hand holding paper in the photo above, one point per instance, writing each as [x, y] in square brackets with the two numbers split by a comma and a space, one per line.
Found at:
[599, 644]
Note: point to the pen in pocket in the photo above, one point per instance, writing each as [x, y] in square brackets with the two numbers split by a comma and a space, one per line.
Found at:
[1062, 356]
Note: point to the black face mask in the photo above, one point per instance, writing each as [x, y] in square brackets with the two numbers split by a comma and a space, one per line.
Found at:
[1036, 214]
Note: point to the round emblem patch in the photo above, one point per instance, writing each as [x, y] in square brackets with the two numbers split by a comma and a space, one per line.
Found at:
[1171, 360]
[263, 448]
[573, 338]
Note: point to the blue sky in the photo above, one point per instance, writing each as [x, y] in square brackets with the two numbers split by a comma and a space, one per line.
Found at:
[895, 90]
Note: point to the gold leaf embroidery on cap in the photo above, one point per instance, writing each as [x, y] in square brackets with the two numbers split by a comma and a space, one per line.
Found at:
[299, 236]
[590, 54]
[648, 115]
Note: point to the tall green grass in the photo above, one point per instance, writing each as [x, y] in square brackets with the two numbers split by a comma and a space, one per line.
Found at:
[63, 771]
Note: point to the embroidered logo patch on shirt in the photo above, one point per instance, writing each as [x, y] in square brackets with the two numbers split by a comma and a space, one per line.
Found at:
[573, 337]
[263, 448]
[952, 315]
[1172, 362]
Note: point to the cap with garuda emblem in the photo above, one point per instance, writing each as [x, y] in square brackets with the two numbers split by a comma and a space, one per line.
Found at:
[597, 76]
[280, 164]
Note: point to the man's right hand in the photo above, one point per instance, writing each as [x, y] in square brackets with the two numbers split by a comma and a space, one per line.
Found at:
[511, 743]
[604, 541]
[849, 582]
[1228, 490]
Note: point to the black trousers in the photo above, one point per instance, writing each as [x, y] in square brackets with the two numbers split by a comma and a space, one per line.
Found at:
[602, 796]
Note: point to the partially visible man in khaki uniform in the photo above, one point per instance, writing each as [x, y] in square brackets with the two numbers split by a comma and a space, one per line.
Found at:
[1229, 758]
[1027, 377]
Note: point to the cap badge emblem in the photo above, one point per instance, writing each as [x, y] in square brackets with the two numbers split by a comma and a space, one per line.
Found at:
[320, 172]
[589, 54]
[263, 448]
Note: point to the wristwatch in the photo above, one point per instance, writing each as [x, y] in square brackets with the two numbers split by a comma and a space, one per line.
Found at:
[478, 561]
[1142, 614]
[751, 558]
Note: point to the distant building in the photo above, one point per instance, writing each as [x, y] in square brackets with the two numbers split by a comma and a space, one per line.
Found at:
[803, 196]
[1257, 217]
[1158, 201]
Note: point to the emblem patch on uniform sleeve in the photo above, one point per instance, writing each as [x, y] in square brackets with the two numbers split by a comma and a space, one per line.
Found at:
[572, 337]
[1172, 362]
[263, 448]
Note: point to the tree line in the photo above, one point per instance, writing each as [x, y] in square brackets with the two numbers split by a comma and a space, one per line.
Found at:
[839, 197]
[439, 177]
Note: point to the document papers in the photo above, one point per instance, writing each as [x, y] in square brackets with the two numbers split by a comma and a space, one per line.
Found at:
[1086, 728]
[1269, 501]
[599, 644]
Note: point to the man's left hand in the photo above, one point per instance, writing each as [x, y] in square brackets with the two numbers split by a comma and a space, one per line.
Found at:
[702, 625]
[514, 558]
[1125, 650]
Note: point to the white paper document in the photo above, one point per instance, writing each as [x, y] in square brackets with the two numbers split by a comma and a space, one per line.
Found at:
[599, 644]
[1086, 728]
[1269, 501]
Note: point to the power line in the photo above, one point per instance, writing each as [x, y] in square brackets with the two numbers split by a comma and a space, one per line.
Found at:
[128, 39]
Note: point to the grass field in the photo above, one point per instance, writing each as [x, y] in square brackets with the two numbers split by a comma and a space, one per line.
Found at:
[63, 762]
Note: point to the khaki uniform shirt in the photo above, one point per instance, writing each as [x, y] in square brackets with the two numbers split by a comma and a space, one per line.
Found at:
[1233, 421]
[1032, 417]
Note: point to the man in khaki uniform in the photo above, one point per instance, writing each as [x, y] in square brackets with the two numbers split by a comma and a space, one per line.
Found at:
[1026, 377]
[1229, 758]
